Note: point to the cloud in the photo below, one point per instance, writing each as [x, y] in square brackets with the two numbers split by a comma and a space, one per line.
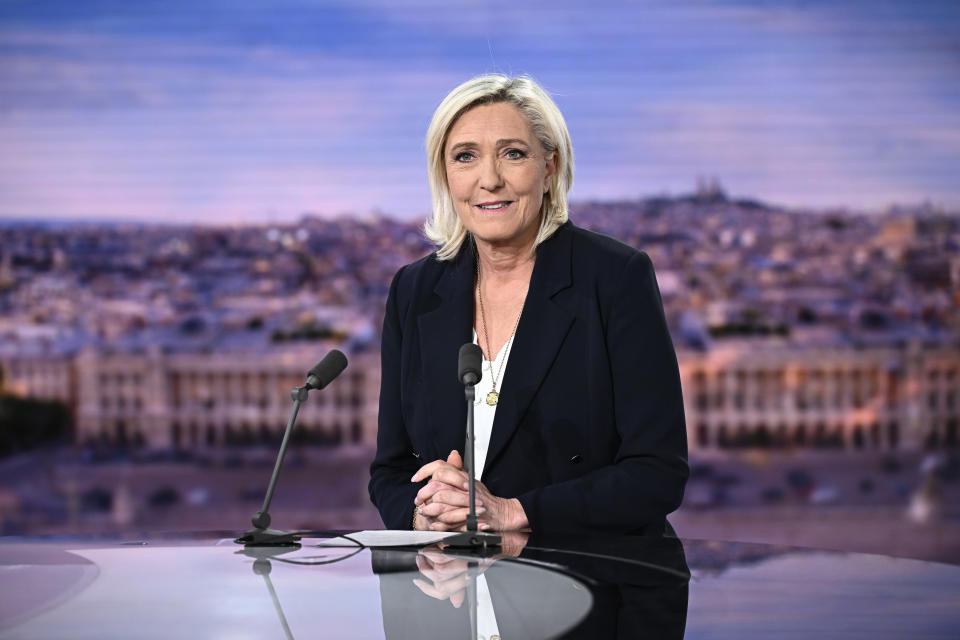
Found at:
[324, 105]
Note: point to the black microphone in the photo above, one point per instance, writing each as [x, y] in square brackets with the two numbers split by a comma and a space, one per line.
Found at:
[320, 376]
[469, 372]
[470, 363]
[326, 370]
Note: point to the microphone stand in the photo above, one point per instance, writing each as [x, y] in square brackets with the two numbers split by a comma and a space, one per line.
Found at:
[471, 538]
[261, 535]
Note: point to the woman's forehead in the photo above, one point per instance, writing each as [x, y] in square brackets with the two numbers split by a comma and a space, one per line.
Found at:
[494, 123]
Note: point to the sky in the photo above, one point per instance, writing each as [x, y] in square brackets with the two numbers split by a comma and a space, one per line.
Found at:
[249, 111]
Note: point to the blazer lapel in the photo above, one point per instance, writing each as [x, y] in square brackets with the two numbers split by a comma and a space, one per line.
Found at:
[442, 331]
[542, 329]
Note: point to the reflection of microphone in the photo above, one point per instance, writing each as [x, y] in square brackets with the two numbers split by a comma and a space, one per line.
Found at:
[469, 372]
[320, 376]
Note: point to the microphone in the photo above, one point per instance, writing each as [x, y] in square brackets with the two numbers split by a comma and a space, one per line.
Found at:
[319, 377]
[469, 365]
[326, 370]
[469, 372]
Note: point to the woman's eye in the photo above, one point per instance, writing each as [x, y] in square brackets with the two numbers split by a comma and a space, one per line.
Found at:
[515, 154]
[463, 156]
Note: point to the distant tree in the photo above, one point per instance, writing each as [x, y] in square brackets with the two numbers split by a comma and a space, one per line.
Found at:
[27, 423]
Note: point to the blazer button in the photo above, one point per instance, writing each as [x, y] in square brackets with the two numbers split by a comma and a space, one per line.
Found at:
[575, 459]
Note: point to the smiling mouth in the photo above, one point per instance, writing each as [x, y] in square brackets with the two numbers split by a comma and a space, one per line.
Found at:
[494, 206]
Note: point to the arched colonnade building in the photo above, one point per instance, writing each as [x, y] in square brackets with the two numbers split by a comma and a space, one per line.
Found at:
[736, 395]
[740, 395]
[190, 400]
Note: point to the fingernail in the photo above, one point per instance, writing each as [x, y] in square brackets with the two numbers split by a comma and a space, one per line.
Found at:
[420, 510]
[480, 509]
[466, 485]
[484, 526]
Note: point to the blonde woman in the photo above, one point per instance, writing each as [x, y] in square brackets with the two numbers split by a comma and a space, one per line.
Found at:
[579, 415]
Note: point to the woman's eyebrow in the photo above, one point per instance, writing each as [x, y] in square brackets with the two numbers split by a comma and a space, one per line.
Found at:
[461, 145]
[500, 143]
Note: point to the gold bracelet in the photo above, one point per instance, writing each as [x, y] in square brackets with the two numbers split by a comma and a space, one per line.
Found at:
[413, 521]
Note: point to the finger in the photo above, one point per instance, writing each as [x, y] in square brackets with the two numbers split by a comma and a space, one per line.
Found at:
[447, 591]
[448, 569]
[440, 577]
[453, 584]
[455, 497]
[428, 490]
[428, 589]
[456, 599]
[431, 469]
[455, 460]
[451, 476]
[454, 517]
[439, 558]
[424, 563]
[434, 509]
[427, 470]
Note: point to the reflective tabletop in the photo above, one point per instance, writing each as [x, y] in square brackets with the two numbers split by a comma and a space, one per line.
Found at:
[206, 586]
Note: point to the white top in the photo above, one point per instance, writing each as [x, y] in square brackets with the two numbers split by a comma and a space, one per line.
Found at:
[483, 413]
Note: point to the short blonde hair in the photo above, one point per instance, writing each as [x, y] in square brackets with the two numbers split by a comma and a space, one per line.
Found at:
[443, 227]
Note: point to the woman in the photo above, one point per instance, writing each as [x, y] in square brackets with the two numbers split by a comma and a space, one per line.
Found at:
[579, 420]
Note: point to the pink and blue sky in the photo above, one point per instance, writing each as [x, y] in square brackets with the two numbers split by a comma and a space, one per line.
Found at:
[248, 111]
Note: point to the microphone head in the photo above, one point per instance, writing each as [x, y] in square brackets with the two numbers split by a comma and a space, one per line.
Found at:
[470, 363]
[326, 370]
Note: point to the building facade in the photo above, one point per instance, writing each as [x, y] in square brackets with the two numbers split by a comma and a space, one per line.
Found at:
[737, 395]
[189, 400]
[887, 398]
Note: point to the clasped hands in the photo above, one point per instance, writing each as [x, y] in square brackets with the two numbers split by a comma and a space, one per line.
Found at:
[444, 502]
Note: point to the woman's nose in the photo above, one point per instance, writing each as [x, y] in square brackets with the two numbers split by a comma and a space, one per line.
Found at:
[490, 176]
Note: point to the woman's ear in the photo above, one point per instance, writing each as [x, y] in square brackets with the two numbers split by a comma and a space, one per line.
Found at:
[551, 168]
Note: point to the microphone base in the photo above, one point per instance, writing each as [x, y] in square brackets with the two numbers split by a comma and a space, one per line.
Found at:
[473, 540]
[268, 538]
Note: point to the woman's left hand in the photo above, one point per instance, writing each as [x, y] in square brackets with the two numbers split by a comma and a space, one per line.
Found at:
[442, 500]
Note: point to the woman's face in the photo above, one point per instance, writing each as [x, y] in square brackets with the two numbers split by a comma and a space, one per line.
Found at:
[497, 172]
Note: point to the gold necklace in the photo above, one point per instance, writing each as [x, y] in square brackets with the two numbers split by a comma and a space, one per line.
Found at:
[493, 396]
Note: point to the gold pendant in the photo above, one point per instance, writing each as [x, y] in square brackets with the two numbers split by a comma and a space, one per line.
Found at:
[492, 398]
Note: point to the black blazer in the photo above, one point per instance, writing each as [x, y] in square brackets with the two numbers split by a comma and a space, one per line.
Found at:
[589, 431]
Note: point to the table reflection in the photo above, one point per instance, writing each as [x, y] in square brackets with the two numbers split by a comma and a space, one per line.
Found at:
[610, 587]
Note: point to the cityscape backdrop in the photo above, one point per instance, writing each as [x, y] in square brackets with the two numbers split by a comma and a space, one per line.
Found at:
[198, 200]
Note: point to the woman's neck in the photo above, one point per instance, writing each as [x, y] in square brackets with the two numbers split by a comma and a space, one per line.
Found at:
[502, 264]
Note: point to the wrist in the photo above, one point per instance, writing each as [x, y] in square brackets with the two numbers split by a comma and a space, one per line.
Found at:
[516, 516]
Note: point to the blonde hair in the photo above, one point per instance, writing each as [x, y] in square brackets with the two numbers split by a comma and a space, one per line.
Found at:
[443, 227]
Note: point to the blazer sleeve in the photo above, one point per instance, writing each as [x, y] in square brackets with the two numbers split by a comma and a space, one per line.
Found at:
[390, 487]
[645, 481]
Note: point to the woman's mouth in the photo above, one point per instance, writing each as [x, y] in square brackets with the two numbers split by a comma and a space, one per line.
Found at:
[494, 206]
